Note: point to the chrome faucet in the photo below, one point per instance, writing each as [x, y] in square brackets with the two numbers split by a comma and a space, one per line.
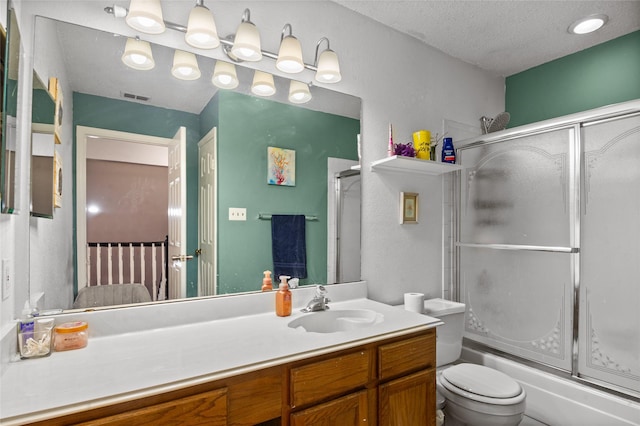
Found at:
[319, 301]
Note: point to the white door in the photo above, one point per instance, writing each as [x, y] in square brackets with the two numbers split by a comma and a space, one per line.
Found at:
[207, 214]
[177, 216]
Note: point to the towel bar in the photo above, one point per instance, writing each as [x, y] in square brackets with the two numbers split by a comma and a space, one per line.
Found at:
[267, 216]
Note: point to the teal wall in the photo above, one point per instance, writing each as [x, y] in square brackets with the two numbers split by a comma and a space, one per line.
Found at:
[605, 74]
[247, 126]
[43, 108]
[11, 98]
[125, 116]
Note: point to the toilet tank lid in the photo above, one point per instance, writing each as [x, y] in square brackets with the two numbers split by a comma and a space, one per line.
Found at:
[481, 380]
[439, 307]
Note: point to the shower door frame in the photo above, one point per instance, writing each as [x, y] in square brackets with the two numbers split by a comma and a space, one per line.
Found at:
[575, 122]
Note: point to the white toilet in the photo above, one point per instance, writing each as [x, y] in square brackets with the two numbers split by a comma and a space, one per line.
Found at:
[475, 395]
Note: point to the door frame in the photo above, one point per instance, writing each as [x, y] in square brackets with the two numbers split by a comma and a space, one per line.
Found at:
[84, 133]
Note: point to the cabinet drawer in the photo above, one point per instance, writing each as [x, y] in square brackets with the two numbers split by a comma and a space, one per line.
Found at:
[407, 355]
[208, 408]
[324, 379]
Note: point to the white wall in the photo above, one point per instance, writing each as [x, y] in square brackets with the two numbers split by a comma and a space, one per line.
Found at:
[399, 79]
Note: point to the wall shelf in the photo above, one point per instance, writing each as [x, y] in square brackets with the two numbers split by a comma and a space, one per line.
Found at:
[399, 163]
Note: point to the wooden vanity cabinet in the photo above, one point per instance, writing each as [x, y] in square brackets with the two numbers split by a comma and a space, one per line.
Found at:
[390, 382]
[387, 382]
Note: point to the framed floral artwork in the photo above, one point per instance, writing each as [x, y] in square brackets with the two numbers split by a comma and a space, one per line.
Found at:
[408, 207]
[281, 166]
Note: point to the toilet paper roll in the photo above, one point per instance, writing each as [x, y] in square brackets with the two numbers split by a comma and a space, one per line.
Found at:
[414, 302]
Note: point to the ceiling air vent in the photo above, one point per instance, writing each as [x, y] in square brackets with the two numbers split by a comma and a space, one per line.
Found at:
[136, 97]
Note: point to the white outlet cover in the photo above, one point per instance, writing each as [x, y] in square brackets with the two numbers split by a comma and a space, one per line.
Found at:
[6, 279]
[237, 213]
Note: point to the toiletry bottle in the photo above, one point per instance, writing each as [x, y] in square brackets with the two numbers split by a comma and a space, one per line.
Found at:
[267, 283]
[448, 152]
[283, 298]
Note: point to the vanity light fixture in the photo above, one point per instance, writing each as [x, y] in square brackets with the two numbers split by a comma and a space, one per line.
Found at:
[185, 66]
[299, 92]
[589, 24]
[201, 28]
[137, 54]
[225, 76]
[327, 65]
[243, 46]
[263, 84]
[290, 53]
[146, 16]
[246, 44]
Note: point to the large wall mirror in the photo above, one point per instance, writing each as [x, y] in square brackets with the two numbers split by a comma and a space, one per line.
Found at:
[126, 127]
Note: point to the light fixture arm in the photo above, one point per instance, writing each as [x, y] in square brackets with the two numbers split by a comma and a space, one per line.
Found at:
[315, 61]
[285, 29]
[246, 16]
[227, 42]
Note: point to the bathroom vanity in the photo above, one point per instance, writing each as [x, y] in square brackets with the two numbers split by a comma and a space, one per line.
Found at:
[237, 370]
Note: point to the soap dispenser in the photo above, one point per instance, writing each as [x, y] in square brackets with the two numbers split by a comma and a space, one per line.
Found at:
[283, 298]
[267, 283]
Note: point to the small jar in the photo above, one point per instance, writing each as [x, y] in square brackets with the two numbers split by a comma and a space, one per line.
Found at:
[71, 335]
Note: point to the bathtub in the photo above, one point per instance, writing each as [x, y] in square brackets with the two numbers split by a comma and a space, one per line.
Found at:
[561, 402]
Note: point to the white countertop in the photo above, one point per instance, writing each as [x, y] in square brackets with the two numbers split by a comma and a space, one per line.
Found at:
[117, 366]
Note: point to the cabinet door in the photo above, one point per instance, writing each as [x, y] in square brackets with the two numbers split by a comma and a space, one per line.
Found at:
[346, 411]
[409, 401]
[208, 408]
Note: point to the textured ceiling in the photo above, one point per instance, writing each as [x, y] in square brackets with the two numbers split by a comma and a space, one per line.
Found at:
[504, 37]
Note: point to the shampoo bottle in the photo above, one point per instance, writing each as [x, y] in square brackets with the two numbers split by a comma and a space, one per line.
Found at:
[267, 283]
[283, 298]
[448, 152]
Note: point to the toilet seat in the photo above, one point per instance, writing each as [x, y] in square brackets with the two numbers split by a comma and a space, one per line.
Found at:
[482, 384]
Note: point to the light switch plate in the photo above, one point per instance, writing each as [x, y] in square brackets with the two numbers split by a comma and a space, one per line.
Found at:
[236, 213]
[6, 278]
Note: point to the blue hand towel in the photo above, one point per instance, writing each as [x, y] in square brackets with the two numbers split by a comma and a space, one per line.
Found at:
[289, 247]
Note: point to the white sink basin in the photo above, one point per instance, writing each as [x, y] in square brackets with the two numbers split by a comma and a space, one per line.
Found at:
[333, 321]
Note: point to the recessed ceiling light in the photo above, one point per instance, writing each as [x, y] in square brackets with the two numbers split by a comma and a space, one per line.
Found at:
[588, 25]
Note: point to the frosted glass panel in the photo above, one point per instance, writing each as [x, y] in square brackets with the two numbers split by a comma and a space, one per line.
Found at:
[610, 287]
[517, 191]
[519, 302]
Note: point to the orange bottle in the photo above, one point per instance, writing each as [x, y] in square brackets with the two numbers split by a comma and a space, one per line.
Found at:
[283, 298]
[267, 283]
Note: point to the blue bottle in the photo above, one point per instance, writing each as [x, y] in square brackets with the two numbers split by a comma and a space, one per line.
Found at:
[448, 152]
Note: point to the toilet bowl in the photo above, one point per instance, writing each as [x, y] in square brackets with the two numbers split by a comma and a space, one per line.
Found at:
[480, 396]
[475, 395]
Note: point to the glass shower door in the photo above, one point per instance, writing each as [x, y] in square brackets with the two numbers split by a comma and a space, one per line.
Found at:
[516, 244]
[610, 260]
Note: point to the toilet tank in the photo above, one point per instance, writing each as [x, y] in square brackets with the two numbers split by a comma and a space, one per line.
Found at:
[449, 335]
